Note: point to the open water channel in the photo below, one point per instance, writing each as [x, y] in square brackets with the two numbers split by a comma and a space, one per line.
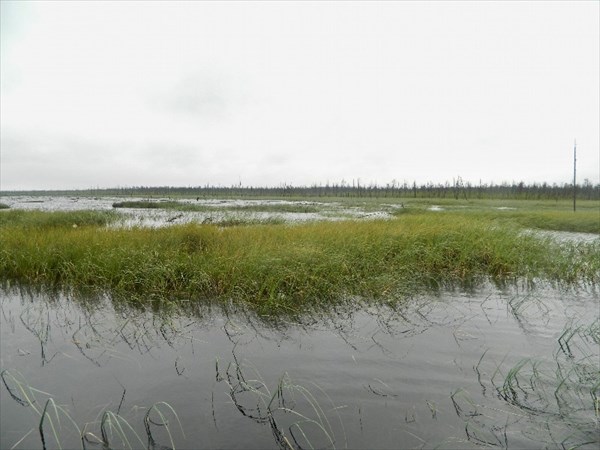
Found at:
[507, 367]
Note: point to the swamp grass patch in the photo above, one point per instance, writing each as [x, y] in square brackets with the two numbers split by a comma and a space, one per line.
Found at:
[280, 267]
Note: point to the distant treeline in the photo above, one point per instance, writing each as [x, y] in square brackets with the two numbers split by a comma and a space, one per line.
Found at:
[458, 189]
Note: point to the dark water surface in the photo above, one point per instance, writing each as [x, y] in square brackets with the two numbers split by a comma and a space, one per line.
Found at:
[503, 368]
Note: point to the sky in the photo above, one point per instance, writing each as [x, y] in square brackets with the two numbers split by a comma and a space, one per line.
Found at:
[120, 94]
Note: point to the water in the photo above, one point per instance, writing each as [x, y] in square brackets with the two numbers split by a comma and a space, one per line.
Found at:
[430, 372]
[217, 211]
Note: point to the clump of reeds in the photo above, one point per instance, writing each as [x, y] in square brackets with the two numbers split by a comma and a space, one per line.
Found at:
[4, 206]
[282, 267]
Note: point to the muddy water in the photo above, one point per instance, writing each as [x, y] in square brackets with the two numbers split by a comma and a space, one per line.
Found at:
[434, 372]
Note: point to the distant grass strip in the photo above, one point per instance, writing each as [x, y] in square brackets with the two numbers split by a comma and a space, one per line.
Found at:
[587, 221]
[282, 267]
[299, 207]
[141, 204]
[542, 216]
[582, 221]
[43, 220]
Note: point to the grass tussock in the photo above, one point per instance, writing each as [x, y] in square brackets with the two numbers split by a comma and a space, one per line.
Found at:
[281, 267]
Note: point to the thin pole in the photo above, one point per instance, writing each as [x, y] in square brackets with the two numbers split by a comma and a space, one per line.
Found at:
[574, 176]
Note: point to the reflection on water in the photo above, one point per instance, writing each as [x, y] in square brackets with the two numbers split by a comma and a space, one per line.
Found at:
[510, 369]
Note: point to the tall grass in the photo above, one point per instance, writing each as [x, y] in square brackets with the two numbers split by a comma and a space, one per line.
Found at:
[282, 267]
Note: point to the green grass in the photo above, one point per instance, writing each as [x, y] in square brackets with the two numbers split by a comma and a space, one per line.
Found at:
[278, 267]
[543, 215]
[586, 221]
[4, 206]
[582, 221]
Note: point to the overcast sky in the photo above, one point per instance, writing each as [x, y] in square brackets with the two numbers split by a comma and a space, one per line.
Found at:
[125, 94]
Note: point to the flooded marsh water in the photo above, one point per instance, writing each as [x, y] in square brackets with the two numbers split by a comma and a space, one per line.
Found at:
[507, 368]
[209, 210]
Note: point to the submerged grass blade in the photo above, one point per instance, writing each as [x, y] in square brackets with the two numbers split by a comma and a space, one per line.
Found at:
[163, 423]
[111, 421]
[41, 424]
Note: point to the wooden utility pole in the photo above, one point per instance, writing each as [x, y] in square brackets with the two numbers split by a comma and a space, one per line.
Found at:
[574, 175]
